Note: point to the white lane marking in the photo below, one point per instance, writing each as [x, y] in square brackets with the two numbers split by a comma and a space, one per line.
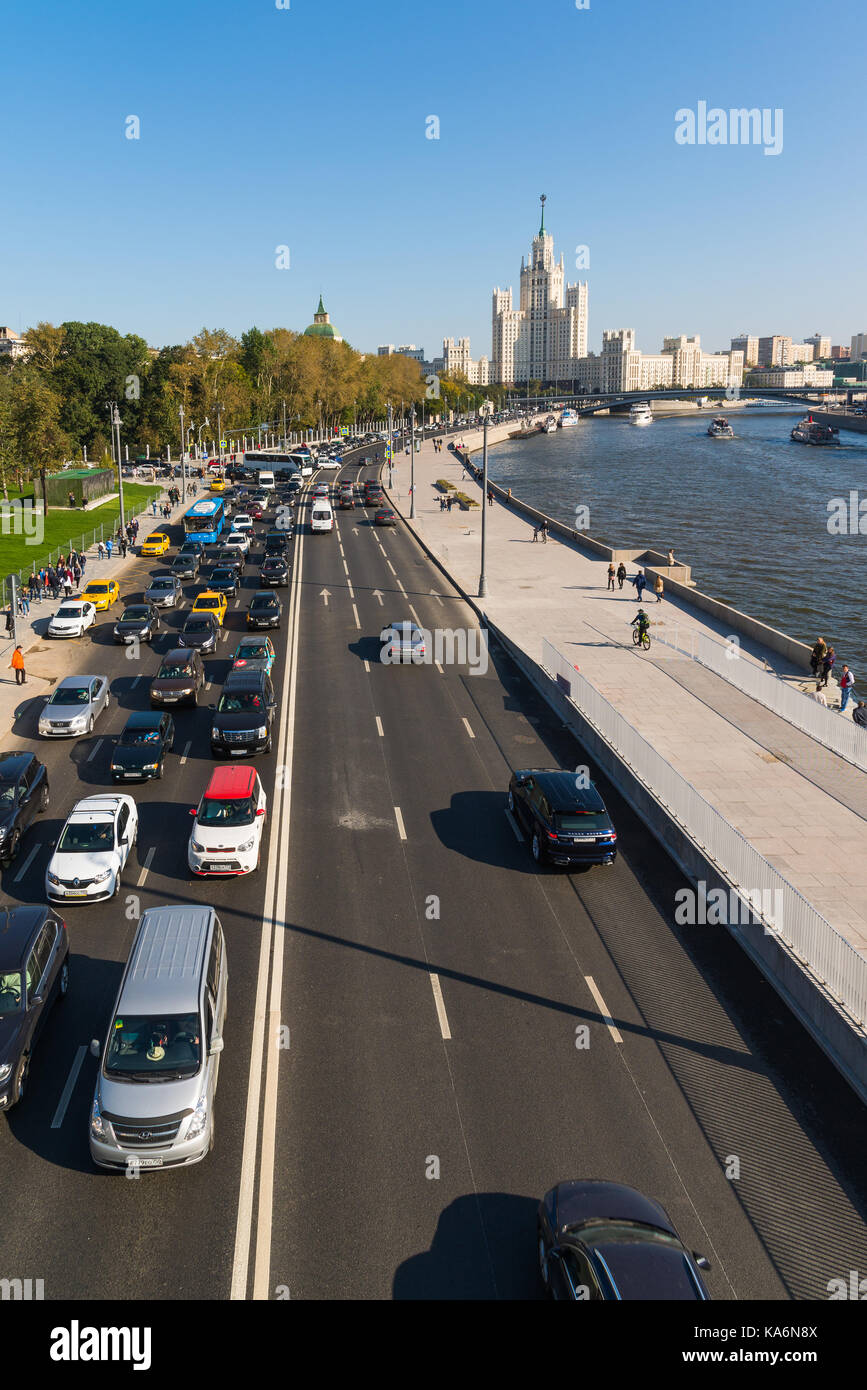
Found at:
[149, 859]
[351, 590]
[69, 1087]
[237, 603]
[401, 828]
[188, 746]
[439, 668]
[207, 685]
[95, 749]
[378, 596]
[223, 635]
[357, 619]
[26, 865]
[402, 589]
[415, 615]
[435, 595]
[391, 567]
[367, 665]
[379, 727]
[515, 826]
[346, 568]
[467, 727]
[603, 1008]
[440, 1006]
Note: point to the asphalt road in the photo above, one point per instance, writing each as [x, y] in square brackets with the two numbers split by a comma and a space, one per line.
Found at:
[429, 981]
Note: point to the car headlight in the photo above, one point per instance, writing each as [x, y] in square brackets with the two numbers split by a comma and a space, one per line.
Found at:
[5, 1071]
[262, 731]
[248, 844]
[150, 767]
[215, 733]
[52, 878]
[2, 832]
[97, 1124]
[117, 767]
[194, 845]
[199, 1119]
[101, 877]
[78, 722]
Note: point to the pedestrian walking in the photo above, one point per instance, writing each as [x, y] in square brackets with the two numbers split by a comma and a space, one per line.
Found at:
[108, 547]
[10, 621]
[536, 530]
[671, 557]
[71, 498]
[67, 583]
[659, 588]
[827, 665]
[490, 498]
[76, 575]
[123, 547]
[859, 714]
[847, 680]
[640, 584]
[100, 550]
[817, 655]
[621, 574]
[82, 560]
[611, 574]
[43, 582]
[17, 665]
[23, 602]
[543, 532]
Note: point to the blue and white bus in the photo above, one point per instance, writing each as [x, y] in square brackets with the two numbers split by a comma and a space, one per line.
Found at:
[205, 520]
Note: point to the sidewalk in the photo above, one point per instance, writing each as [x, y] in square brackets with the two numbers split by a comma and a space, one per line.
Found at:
[744, 759]
[65, 656]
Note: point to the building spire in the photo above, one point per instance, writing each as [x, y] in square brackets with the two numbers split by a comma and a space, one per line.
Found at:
[543, 199]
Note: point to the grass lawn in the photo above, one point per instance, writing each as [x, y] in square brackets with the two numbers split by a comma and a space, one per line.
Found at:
[65, 524]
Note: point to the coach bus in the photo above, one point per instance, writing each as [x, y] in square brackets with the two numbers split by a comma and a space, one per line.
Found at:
[298, 462]
[205, 520]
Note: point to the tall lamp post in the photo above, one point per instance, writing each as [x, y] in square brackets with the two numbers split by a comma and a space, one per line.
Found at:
[220, 433]
[485, 409]
[183, 456]
[412, 462]
[116, 422]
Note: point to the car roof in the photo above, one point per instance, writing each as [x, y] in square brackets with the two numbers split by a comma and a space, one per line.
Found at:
[562, 789]
[241, 679]
[96, 808]
[168, 952]
[13, 764]
[226, 782]
[73, 682]
[644, 1269]
[144, 719]
[18, 925]
[265, 593]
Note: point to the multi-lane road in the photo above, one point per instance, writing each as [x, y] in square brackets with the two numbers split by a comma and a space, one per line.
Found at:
[424, 1030]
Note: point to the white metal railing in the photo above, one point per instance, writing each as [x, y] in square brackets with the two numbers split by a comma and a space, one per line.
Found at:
[785, 911]
[824, 725]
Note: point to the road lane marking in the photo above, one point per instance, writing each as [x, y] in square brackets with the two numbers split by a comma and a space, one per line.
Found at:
[515, 826]
[603, 1008]
[468, 728]
[149, 859]
[188, 746]
[237, 603]
[439, 668]
[69, 1087]
[26, 865]
[401, 828]
[134, 682]
[391, 567]
[440, 1006]
[351, 590]
[402, 589]
[367, 665]
[435, 595]
[207, 685]
[95, 749]
[223, 635]
[357, 619]
[415, 615]
[379, 727]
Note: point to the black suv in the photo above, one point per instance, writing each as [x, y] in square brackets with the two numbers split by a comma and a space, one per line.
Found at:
[244, 715]
[34, 971]
[277, 541]
[224, 580]
[265, 609]
[274, 571]
[23, 792]
[201, 631]
[564, 815]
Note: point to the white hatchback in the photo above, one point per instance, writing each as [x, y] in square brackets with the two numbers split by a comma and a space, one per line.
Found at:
[227, 832]
[93, 848]
[238, 540]
[72, 619]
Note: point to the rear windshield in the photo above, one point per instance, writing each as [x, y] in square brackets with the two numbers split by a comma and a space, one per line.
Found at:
[130, 737]
[154, 1047]
[589, 820]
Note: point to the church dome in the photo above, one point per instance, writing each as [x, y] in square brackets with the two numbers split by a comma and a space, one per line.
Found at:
[322, 327]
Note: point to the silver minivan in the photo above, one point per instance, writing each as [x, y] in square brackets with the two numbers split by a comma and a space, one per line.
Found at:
[153, 1106]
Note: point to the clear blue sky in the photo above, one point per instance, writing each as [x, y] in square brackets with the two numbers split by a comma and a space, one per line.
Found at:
[306, 127]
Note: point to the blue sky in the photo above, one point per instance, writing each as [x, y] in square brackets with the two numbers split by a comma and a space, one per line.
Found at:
[305, 127]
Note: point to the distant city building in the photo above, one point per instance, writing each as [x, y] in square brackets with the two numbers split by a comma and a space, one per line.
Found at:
[385, 350]
[545, 337]
[775, 351]
[858, 347]
[681, 363]
[847, 370]
[12, 345]
[821, 346]
[788, 378]
[457, 361]
[749, 346]
[839, 353]
[801, 352]
[322, 327]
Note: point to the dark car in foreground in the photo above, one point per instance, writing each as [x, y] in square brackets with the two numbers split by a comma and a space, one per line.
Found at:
[34, 972]
[385, 517]
[244, 714]
[228, 555]
[277, 541]
[563, 815]
[140, 622]
[179, 679]
[139, 754]
[274, 571]
[23, 793]
[202, 632]
[224, 580]
[265, 610]
[186, 566]
[602, 1241]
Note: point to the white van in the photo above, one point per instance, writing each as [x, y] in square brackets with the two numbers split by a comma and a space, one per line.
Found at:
[321, 515]
[265, 479]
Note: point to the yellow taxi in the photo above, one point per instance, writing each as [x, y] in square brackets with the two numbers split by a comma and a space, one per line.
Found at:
[102, 593]
[208, 601]
[157, 543]
[218, 485]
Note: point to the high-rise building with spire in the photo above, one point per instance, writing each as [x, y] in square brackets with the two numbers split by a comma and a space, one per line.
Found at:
[543, 339]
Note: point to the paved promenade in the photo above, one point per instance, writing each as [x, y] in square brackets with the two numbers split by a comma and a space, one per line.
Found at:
[801, 806]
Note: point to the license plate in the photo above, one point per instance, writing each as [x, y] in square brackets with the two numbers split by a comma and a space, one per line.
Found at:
[170, 699]
[211, 868]
[75, 892]
[237, 752]
[149, 1162]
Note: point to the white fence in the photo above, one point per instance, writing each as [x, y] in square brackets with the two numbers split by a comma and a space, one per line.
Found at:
[824, 725]
[805, 931]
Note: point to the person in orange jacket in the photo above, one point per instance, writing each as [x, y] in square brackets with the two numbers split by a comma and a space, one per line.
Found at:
[17, 665]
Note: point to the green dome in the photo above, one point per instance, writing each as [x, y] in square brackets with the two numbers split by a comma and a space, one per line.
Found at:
[321, 327]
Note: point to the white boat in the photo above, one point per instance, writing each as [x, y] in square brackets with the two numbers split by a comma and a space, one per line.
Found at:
[569, 418]
[551, 424]
[720, 428]
[640, 414]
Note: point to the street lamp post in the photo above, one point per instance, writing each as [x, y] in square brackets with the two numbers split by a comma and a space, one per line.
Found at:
[220, 433]
[390, 448]
[412, 462]
[483, 586]
[183, 456]
[115, 421]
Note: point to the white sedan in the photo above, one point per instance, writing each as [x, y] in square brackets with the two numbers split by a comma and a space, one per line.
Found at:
[93, 848]
[242, 522]
[238, 540]
[72, 619]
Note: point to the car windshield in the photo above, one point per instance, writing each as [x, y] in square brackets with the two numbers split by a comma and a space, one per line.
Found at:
[239, 700]
[173, 671]
[97, 588]
[154, 540]
[154, 1047]
[135, 614]
[83, 837]
[223, 572]
[210, 602]
[227, 813]
[70, 695]
[11, 995]
[67, 610]
[197, 625]
[264, 603]
[252, 653]
[130, 737]
[166, 583]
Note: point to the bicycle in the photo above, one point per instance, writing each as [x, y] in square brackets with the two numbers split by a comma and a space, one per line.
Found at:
[641, 638]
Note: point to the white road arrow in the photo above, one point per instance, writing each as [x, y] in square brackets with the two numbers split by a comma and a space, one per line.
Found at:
[355, 530]
[324, 593]
[437, 597]
[377, 595]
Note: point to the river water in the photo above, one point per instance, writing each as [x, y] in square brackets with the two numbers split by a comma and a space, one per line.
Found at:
[749, 514]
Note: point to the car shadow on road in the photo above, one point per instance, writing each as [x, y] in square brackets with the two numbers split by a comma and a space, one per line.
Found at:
[475, 826]
[366, 648]
[484, 1247]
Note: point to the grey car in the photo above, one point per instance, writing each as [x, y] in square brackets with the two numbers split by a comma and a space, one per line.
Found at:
[73, 706]
[164, 591]
[402, 642]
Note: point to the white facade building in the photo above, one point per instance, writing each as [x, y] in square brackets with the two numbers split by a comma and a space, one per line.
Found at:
[748, 344]
[11, 345]
[789, 378]
[821, 344]
[457, 361]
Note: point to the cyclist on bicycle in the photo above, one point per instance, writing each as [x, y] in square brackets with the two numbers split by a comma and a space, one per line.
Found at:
[643, 622]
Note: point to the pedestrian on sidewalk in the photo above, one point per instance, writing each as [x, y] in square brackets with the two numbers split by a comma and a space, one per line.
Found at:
[108, 547]
[100, 550]
[859, 714]
[76, 574]
[490, 498]
[640, 583]
[123, 547]
[671, 560]
[621, 574]
[70, 496]
[449, 503]
[536, 530]
[659, 588]
[17, 665]
[827, 665]
[543, 532]
[67, 583]
[611, 574]
[847, 680]
[53, 581]
[43, 582]
[82, 560]
[33, 584]
[819, 694]
[817, 655]
[23, 603]
[10, 622]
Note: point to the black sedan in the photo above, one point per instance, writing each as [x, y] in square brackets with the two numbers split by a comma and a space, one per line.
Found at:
[228, 555]
[34, 972]
[201, 632]
[564, 816]
[139, 754]
[274, 571]
[140, 622]
[23, 793]
[602, 1240]
[265, 610]
[224, 580]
